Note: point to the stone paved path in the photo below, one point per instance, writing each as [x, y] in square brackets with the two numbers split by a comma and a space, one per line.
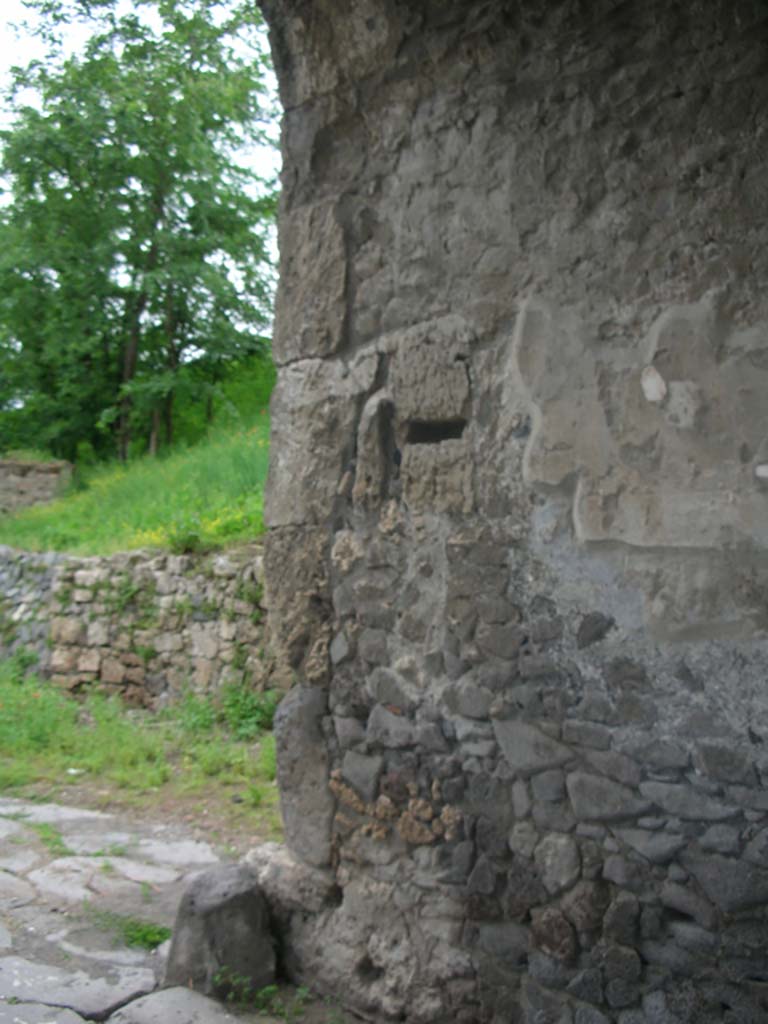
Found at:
[65, 873]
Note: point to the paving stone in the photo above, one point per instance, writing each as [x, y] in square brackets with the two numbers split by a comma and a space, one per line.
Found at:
[14, 892]
[37, 1013]
[8, 828]
[5, 937]
[88, 843]
[150, 874]
[19, 861]
[180, 852]
[74, 990]
[51, 814]
[176, 1006]
[74, 879]
[115, 957]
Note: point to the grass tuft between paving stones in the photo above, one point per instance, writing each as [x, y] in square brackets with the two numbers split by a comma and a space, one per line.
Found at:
[133, 931]
[218, 749]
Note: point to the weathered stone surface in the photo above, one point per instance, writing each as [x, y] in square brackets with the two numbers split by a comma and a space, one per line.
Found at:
[173, 1006]
[720, 839]
[688, 901]
[313, 254]
[14, 891]
[222, 931]
[553, 934]
[516, 455]
[164, 619]
[657, 847]
[732, 885]
[558, 861]
[288, 882]
[686, 802]
[181, 852]
[593, 628]
[25, 483]
[74, 990]
[388, 729]
[595, 798]
[526, 749]
[362, 773]
[37, 1013]
[621, 919]
[306, 802]
[585, 904]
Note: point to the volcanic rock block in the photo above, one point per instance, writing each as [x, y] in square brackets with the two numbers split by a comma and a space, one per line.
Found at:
[222, 941]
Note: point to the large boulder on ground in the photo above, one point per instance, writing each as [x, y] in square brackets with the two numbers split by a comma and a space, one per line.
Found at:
[222, 941]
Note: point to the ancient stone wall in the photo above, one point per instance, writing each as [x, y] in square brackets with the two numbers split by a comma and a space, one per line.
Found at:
[518, 548]
[141, 625]
[30, 483]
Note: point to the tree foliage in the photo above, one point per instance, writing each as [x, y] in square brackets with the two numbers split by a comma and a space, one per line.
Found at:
[134, 244]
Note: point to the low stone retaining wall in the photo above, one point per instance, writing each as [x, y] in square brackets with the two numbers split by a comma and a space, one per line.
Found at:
[30, 483]
[142, 625]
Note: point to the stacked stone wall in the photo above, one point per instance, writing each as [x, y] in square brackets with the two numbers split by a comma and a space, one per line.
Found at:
[141, 625]
[30, 483]
[518, 553]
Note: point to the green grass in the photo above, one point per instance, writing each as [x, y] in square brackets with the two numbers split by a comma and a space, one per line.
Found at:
[27, 455]
[51, 839]
[44, 734]
[200, 497]
[133, 931]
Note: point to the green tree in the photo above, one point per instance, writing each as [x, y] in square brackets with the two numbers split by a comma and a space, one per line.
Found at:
[134, 244]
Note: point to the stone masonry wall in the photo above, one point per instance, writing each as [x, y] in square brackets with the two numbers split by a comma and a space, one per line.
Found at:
[518, 554]
[141, 625]
[30, 483]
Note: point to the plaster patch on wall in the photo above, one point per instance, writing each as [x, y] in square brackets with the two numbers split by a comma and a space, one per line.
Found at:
[663, 454]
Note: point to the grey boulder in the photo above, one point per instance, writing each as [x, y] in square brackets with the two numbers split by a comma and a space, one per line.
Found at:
[222, 942]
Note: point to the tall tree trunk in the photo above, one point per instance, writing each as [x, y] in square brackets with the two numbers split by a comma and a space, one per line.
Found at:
[130, 359]
[154, 434]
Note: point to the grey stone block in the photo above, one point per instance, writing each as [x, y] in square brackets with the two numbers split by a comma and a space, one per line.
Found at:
[362, 773]
[595, 798]
[222, 933]
[306, 802]
[172, 1006]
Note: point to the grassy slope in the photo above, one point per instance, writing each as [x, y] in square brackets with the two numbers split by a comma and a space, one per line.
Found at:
[215, 746]
[206, 495]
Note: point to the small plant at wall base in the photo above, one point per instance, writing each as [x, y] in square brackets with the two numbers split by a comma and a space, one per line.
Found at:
[133, 931]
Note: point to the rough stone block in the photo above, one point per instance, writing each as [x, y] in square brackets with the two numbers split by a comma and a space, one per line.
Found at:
[222, 933]
[306, 802]
[598, 799]
[686, 802]
[89, 661]
[67, 630]
[64, 659]
[362, 773]
[526, 749]
[389, 730]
